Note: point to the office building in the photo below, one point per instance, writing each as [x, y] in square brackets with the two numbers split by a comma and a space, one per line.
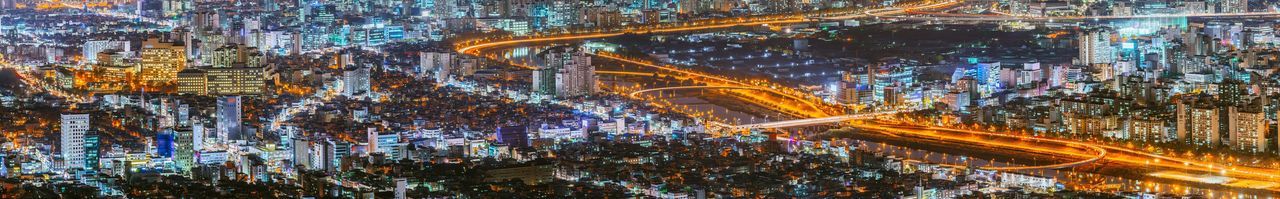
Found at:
[228, 117]
[235, 70]
[161, 61]
[74, 127]
[192, 81]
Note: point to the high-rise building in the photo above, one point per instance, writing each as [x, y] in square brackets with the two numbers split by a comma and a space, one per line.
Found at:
[892, 96]
[564, 71]
[184, 154]
[1248, 129]
[328, 153]
[1095, 47]
[1202, 126]
[355, 81]
[371, 137]
[1233, 6]
[92, 149]
[229, 112]
[74, 127]
[161, 61]
[440, 64]
[198, 132]
[1147, 130]
[302, 154]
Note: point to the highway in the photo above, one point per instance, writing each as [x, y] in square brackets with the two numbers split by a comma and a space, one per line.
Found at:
[812, 106]
[1257, 178]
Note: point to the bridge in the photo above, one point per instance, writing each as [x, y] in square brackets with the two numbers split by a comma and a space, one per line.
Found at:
[812, 121]
[637, 93]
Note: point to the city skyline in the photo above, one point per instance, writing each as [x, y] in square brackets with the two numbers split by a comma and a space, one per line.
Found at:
[630, 98]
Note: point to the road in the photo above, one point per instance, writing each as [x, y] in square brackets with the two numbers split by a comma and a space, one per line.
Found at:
[35, 85]
[1258, 178]
[810, 106]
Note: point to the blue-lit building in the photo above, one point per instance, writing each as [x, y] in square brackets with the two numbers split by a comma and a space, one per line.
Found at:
[164, 144]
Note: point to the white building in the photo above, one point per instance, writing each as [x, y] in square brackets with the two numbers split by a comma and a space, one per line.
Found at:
[1095, 47]
[74, 127]
[355, 81]
[440, 64]
[92, 48]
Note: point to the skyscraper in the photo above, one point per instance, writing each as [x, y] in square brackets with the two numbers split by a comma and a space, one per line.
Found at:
[564, 71]
[74, 127]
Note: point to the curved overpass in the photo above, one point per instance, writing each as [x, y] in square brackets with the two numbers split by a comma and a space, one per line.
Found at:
[802, 99]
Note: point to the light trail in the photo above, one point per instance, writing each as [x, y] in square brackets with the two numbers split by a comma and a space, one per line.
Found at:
[36, 85]
[814, 109]
[807, 102]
